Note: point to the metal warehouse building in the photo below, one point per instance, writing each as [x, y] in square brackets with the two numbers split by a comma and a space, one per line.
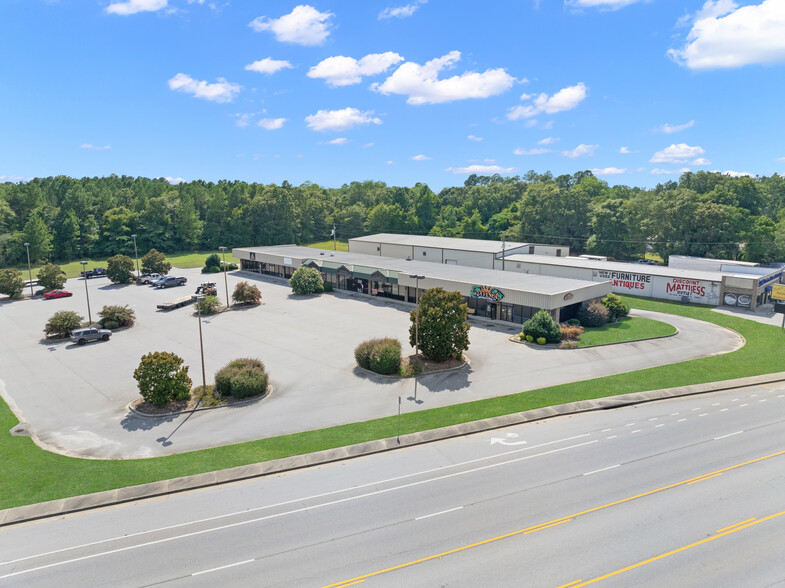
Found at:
[506, 296]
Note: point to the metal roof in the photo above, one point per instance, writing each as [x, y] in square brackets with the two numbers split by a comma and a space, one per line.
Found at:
[533, 283]
[478, 245]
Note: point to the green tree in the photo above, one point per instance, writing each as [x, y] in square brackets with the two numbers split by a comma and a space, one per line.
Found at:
[541, 324]
[616, 307]
[213, 260]
[120, 269]
[39, 236]
[208, 305]
[61, 323]
[154, 262]
[51, 277]
[117, 316]
[67, 239]
[306, 280]
[245, 293]
[443, 328]
[11, 282]
[162, 377]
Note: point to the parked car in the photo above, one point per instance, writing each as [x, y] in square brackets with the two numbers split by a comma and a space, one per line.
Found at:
[82, 336]
[94, 273]
[148, 278]
[57, 294]
[168, 281]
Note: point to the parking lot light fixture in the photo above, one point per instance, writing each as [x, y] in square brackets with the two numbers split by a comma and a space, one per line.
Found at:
[136, 255]
[226, 280]
[29, 269]
[87, 293]
[201, 344]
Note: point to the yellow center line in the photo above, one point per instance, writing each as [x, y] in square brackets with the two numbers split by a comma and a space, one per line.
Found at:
[704, 478]
[570, 584]
[680, 549]
[736, 525]
[541, 527]
[555, 522]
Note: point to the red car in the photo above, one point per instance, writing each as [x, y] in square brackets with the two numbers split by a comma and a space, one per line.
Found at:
[57, 294]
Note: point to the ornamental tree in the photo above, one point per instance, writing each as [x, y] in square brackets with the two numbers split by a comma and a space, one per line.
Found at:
[51, 277]
[117, 316]
[306, 280]
[11, 282]
[443, 328]
[120, 269]
[154, 262]
[542, 325]
[162, 377]
[246, 293]
[62, 323]
[616, 307]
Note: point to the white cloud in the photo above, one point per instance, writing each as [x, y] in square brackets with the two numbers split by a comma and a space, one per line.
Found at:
[133, 6]
[221, 91]
[345, 71]
[700, 161]
[481, 169]
[94, 147]
[401, 11]
[473, 138]
[340, 120]
[422, 85]
[172, 180]
[781, 159]
[421, 158]
[338, 141]
[520, 151]
[678, 154]
[547, 141]
[271, 124]
[608, 171]
[735, 174]
[626, 151]
[268, 65]
[602, 4]
[669, 172]
[304, 26]
[565, 99]
[15, 179]
[669, 129]
[367, 145]
[390, 162]
[581, 150]
[724, 36]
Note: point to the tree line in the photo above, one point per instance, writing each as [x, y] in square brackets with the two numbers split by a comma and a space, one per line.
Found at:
[703, 214]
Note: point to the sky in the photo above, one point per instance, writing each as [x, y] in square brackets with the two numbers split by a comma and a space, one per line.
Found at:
[399, 91]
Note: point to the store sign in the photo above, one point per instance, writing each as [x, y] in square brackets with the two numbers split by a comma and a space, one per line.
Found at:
[767, 280]
[778, 292]
[684, 287]
[626, 280]
[487, 293]
[737, 300]
[569, 296]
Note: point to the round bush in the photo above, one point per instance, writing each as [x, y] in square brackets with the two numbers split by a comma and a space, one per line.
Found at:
[382, 356]
[541, 341]
[530, 339]
[362, 354]
[306, 280]
[211, 269]
[573, 322]
[111, 325]
[543, 325]
[242, 378]
[594, 315]
[616, 308]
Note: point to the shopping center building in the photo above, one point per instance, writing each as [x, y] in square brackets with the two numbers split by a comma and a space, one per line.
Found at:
[504, 296]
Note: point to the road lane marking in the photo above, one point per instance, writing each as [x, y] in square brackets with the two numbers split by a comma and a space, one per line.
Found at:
[294, 511]
[680, 420]
[556, 521]
[736, 525]
[704, 478]
[602, 470]
[542, 527]
[436, 514]
[570, 584]
[733, 529]
[723, 409]
[636, 431]
[288, 502]
[703, 414]
[660, 425]
[745, 404]
[239, 563]
[728, 435]
[611, 436]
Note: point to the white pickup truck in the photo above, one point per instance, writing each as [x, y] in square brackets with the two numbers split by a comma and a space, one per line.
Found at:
[148, 278]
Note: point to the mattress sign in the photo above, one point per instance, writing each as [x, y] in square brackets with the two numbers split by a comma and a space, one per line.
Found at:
[778, 292]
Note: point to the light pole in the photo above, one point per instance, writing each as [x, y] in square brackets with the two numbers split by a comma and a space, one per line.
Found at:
[226, 281]
[417, 279]
[29, 269]
[136, 255]
[201, 344]
[84, 277]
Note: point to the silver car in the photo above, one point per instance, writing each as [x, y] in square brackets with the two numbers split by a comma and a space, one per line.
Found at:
[82, 336]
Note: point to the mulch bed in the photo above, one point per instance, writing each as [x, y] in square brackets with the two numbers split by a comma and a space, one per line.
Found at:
[145, 408]
[429, 366]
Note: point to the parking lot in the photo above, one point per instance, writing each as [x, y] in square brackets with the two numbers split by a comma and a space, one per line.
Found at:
[74, 398]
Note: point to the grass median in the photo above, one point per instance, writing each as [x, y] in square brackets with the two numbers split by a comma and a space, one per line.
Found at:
[29, 474]
[627, 329]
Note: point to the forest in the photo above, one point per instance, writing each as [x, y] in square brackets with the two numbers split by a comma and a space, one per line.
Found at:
[703, 214]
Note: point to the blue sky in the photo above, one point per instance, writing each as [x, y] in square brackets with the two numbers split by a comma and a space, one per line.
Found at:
[396, 91]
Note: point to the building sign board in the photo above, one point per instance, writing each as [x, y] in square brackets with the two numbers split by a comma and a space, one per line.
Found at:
[628, 282]
[679, 287]
[778, 292]
[487, 293]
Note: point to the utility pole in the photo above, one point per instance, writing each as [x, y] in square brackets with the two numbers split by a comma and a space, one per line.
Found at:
[335, 237]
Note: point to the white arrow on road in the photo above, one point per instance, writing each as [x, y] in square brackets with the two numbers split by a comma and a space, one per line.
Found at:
[505, 442]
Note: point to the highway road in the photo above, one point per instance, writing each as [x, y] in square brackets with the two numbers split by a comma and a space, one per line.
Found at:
[681, 492]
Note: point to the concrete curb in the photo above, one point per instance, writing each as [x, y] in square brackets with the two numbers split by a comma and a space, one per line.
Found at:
[200, 408]
[73, 504]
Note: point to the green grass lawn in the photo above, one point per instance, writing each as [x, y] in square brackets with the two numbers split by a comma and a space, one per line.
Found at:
[339, 246]
[625, 330]
[29, 474]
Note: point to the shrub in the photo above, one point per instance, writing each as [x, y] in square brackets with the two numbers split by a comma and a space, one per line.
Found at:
[205, 396]
[382, 356]
[616, 308]
[242, 378]
[154, 262]
[246, 293]
[443, 328]
[569, 332]
[573, 322]
[529, 338]
[208, 305]
[595, 314]
[543, 325]
[568, 345]
[121, 316]
[213, 261]
[51, 277]
[11, 282]
[306, 280]
[541, 340]
[229, 267]
[119, 269]
[211, 269]
[522, 336]
[161, 377]
[109, 324]
[62, 323]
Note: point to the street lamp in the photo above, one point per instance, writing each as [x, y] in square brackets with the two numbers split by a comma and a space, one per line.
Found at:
[136, 255]
[84, 277]
[29, 269]
[226, 281]
[417, 279]
[201, 344]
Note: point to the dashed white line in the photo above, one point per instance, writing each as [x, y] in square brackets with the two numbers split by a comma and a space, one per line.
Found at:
[716, 404]
[605, 430]
[660, 425]
[654, 419]
[637, 431]
[680, 420]
[239, 563]
[728, 435]
[745, 404]
[611, 437]
[436, 514]
[735, 400]
[762, 400]
[602, 470]
[723, 409]
[703, 414]
[697, 408]
[630, 425]
[674, 413]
